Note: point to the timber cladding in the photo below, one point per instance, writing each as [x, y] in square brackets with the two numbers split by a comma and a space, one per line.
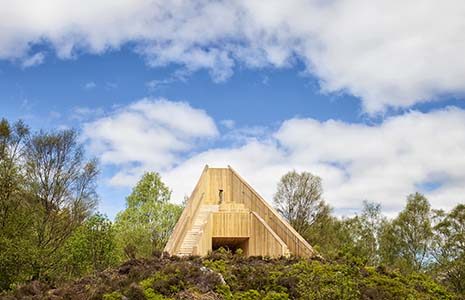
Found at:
[231, 224]
[225, 211]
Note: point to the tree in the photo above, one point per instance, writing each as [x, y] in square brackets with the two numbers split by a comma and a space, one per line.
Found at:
[329, 236]
[11, 178]
[299, 199]
[60, 184]
[406, 242]
[449, 248]
[15, 220]
[149, 189]
[364, 231]
[148, 220]
[91, 248]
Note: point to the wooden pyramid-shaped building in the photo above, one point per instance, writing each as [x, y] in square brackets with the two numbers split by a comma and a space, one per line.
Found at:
[225, 211]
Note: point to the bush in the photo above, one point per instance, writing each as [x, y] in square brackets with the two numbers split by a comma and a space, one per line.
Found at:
[113, 296]
[318, 280]
[381, 284]
[225, 276]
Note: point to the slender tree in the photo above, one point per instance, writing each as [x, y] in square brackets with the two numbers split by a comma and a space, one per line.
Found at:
[299, 199]
[365, 230]
[61, 186]
[12, 141]
[449, 248]
[407, 240]
[15, 216]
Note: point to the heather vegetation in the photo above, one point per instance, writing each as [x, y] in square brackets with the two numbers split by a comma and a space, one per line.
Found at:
[223, 275]
[55, 245]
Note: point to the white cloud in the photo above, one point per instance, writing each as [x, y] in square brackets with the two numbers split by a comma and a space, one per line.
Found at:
[82, 113]
[33, 60]
[229, 124]
[155, 84]
[382, 163]
[90, 85]
[391, 53]
[386, 162]
[148, 134]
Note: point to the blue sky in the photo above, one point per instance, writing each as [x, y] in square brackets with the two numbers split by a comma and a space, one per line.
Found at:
[101, 81]
[367, 101]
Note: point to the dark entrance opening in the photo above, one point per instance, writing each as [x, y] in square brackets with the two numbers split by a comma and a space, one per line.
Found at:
[231, 243]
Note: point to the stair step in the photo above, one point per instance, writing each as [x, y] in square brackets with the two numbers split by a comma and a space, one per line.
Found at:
[193, 235]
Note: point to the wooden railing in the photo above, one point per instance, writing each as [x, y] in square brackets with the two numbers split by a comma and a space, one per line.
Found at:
[204, 245]
[187, 217]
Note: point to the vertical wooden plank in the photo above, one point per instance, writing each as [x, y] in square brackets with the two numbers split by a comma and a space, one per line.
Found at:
[231, 186]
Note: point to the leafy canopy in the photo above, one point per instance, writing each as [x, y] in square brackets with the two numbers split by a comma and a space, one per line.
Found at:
[149, 218]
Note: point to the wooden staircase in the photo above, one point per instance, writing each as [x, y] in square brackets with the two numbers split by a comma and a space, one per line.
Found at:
[193, 235]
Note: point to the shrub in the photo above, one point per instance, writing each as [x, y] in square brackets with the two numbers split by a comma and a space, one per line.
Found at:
[244, 278]
[325, 281]
[113, 296]
[276, 296]
[248, 295]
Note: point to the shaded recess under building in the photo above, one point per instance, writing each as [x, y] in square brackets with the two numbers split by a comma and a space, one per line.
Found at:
[225, 211]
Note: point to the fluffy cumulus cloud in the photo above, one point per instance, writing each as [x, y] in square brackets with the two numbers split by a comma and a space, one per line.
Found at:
[148, 134]
[382, 163]
[390, 53]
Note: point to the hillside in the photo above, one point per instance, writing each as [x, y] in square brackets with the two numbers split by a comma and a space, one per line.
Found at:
[225, 276]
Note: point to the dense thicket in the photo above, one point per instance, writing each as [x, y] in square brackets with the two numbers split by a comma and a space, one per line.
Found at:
[50, 235]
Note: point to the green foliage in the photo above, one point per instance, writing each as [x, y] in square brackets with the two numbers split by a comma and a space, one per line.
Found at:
[113, 296]
[276, 296]
[60, 185]
[248, 295]
[406, 242]
[380, 284]
[328, 236]
[256, 295]
[244, 278]
[216, 265]
[147, 222]
[148, 286]
[326, 281]
[47, 189]
[150, 188]
[299, 199]
[177, 277]
[364, 231]
[91, 248]
[15, 213]
[149, 292]
[357, 237]
[449, 248]
[225, 291]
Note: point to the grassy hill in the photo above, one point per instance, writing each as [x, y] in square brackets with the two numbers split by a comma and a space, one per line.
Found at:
[225, 276]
